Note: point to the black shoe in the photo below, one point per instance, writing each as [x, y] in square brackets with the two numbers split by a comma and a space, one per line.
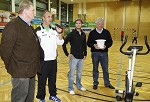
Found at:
[110, 86]
[94, 87]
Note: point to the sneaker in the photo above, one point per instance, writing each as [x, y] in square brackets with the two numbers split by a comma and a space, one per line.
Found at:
[42, 101]
[54, 98]
[71, 92]
[83, 89]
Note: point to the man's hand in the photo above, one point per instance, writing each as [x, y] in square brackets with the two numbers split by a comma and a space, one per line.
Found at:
[103, 47]
[96, 47]
[84, 58]
[59, 30]
[70, 56]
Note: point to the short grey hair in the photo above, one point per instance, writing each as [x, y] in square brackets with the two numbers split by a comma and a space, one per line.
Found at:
[99, 20]
[25, 4]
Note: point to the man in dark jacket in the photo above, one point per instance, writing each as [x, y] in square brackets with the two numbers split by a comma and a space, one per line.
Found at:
[20, 52]
[100, 55]
[78, 52]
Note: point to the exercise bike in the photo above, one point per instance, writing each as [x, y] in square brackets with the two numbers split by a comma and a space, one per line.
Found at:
[129, 91]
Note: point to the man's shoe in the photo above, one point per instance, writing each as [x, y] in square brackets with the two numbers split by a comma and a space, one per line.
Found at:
[54, 98]
[83, 89]
[110, 86]
[71, 92]
[94, 87]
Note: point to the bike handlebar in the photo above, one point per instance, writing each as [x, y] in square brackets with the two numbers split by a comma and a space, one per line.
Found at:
[138, 53]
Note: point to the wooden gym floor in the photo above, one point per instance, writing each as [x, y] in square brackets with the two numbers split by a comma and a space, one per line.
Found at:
[118, 64]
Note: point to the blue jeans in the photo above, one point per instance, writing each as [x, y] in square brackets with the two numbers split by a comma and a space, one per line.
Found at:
[78, 64]
[102, 58]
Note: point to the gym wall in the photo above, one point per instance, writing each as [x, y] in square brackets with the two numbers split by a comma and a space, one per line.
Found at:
[119, 15]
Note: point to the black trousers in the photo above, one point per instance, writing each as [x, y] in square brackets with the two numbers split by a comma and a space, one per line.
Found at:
[49, 70]
[134, 39]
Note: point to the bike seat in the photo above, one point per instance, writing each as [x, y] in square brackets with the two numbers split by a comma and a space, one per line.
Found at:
[138, 47]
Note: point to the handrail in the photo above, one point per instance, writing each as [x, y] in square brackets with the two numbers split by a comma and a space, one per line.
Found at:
[138, 53]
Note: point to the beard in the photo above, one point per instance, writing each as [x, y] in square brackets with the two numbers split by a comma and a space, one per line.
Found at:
[78, 27]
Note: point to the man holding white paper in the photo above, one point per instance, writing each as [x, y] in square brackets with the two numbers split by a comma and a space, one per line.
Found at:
[99, 52]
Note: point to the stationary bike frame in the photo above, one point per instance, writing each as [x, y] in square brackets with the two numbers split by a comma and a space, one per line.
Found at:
[129, 91]
[131, 68]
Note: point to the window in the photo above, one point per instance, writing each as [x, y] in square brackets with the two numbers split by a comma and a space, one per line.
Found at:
[63, 11]
[70, 12]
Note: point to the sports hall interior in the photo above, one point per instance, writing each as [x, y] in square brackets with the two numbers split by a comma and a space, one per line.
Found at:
[126, 15]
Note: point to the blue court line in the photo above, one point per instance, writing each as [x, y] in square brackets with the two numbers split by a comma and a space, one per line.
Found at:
[119, 74]
[5, 83]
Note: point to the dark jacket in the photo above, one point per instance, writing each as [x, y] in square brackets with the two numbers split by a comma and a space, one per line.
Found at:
[78, 44]
[19, 49]
[94, 35]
